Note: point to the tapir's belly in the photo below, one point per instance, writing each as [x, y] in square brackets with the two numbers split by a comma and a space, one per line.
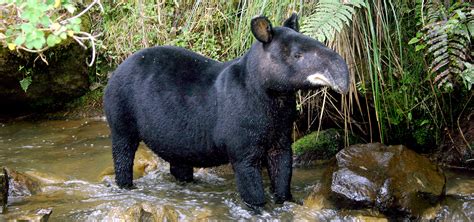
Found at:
[197, 154]
[182, 135]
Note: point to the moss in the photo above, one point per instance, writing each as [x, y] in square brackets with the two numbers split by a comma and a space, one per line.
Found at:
[321, 145]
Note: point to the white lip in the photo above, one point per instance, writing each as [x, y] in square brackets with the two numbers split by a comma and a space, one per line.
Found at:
[318, 79]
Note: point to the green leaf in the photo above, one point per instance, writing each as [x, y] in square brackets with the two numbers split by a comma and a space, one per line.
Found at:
[20, 40]
[70, 8]
[52, 40]
[29, 44]
[413, 41]
[424, 122]
[45, 21]
[37, 44]
[25, 83]
[419, 35]
[419, 47]
[75, 21]
[27, 27]
[76, 28]
[63, 35]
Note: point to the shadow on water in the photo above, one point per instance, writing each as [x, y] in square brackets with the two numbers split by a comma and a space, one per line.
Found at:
[70, 158]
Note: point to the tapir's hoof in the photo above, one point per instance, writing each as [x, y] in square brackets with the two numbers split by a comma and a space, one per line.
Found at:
[127, 186]
[255, 208]
[281, 200]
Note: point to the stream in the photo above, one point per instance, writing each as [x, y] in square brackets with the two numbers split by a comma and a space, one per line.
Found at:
[70, 157]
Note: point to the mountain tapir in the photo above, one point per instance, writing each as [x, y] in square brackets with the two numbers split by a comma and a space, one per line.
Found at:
[193, 111]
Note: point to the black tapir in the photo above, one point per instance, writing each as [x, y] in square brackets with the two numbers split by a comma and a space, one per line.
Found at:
[193, 111]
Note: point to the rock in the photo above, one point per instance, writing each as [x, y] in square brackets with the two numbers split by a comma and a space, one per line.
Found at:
[222, 170]
[145, 161]
[143, 212]
[22, 185]
[66, 77]
[149, 211]
[318, 200]
[3, 190]
[456, 209]
[464, 188]
[391, 179]
[321, 145]
[39, 215]
[44, 178]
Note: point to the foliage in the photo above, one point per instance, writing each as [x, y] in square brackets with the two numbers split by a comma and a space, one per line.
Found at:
[213, 28]
[446, 41]
[324, 144]
[329, 17]
[468, 75]
[35, 26]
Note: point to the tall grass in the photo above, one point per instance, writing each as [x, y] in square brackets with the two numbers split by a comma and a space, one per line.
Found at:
[213, 28]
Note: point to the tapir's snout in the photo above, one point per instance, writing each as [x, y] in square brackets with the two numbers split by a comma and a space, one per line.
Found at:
[334, 73]
[340, 75]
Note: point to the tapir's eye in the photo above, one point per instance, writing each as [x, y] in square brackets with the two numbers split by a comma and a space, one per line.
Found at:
[297, 55]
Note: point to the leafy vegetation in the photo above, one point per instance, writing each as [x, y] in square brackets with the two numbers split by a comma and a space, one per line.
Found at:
[446, 38]
[324, 144]
[35, 26]
[410, 61]
[329, 18]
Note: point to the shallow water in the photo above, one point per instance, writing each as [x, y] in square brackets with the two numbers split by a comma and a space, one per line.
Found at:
[71, 156]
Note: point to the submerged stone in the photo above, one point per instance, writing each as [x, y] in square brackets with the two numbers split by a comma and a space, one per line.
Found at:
[143, 212]
[391, 179]
[38, 215]
[145, 161]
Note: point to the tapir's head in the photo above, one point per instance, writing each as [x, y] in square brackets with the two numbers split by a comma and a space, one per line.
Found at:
[287, 60]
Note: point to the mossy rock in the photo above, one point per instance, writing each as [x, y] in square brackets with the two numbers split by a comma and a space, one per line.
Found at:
[321, 145]
[391, 179]
[64, 78]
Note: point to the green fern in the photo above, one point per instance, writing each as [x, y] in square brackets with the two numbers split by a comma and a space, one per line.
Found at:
[330, 17]
[446, 40]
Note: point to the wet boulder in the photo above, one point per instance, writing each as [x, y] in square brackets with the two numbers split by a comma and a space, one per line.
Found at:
[21, 184]
[38, 215]
[391, 179]
[145, 161]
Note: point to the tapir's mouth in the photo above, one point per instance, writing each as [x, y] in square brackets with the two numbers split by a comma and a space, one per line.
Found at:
[318, 79]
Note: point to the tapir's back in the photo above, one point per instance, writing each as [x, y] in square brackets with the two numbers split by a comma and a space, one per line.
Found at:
[173, 67]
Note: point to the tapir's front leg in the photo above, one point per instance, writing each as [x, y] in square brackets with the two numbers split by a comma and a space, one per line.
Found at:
[247, 168]
[279, 165]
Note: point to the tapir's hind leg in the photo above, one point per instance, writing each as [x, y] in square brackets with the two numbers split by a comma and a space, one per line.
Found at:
[123, 152]
[182, 173]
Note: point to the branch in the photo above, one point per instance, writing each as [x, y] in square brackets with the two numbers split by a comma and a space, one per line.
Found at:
[84, 11]
[89, 37]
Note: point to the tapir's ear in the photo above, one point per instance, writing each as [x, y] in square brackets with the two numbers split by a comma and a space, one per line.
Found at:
[262, 29]
[292, 22]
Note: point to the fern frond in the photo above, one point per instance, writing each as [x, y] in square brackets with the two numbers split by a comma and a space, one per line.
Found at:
[330, 17]
[447, 36]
